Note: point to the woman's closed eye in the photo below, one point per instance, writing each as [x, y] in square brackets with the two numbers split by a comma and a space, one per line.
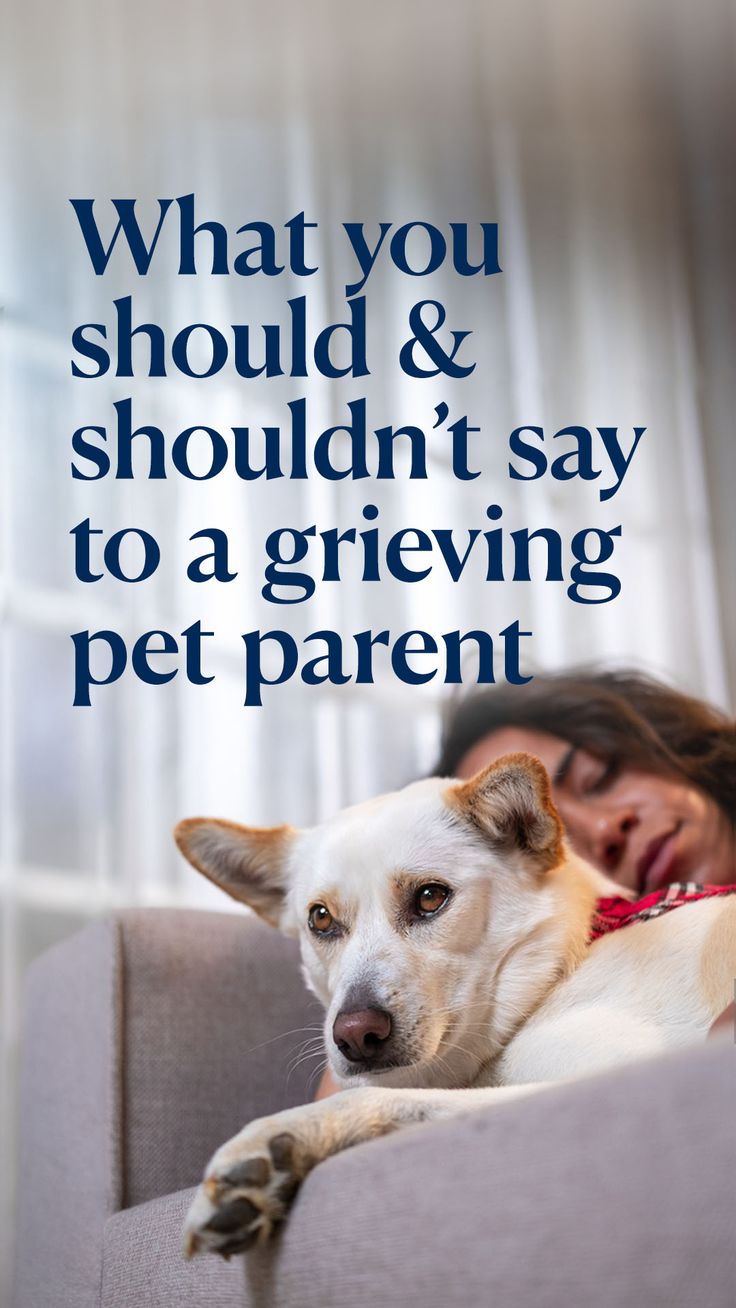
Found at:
[606, 771]
[581, 773]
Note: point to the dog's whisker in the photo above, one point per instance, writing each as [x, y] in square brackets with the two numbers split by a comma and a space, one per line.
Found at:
[296, 1062]
[305, 1058]
[315, 1073]
[297, 1030]
[311, 1040]
[301, 1053]
[293, 1070]
[305, 1052]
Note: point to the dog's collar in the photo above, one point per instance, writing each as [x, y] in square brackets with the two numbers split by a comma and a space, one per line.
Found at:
[611, 914]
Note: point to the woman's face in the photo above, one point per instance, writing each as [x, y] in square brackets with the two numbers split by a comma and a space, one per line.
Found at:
[643, 831]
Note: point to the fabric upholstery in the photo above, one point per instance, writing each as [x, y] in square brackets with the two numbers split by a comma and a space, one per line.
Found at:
[147, 1045]
[143, 1266]
[69, 1167]
[215, 1009]
[613, 1192]
[148, 1040]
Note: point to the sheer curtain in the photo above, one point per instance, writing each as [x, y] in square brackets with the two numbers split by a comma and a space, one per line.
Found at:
[600, 140]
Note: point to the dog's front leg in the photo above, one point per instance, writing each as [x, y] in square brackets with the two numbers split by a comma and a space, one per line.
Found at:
[251, 1181]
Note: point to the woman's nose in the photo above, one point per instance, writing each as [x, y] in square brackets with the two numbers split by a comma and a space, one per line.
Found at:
[610, 837]
[601, 836]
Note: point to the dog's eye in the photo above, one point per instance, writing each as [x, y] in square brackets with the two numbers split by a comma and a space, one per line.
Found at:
[320, 920]
[429, 899]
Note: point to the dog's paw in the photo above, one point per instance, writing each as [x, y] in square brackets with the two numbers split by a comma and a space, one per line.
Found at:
[247, 1190]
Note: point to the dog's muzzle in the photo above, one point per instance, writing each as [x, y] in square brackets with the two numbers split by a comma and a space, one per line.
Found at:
[362, 1036]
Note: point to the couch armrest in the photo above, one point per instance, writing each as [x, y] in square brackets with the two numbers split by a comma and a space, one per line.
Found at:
[615, 1191]
[214, 1008]
[70, 1158]
[149, 1039]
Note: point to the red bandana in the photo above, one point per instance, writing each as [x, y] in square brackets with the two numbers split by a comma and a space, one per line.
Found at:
[610, 914]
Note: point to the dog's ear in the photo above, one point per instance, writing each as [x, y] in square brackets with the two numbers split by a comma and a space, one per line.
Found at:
[248, 863]
[509, 802]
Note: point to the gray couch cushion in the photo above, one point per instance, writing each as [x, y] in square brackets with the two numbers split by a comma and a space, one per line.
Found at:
[143, 1267]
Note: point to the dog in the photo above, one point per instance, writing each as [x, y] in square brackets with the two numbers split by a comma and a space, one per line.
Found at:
[446, 928]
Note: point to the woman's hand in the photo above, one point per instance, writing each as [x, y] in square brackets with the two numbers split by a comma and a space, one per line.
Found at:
[327, 1086]
[724, 1023]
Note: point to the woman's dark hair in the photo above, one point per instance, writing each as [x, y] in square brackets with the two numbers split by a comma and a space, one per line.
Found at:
[623, 717]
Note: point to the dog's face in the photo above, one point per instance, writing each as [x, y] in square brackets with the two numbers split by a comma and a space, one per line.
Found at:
[410, 909]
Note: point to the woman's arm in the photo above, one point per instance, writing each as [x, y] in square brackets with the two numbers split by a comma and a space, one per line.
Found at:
[327, 1086]
[725, 1022]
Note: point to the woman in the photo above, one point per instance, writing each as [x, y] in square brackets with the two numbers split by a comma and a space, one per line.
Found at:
[643, 776]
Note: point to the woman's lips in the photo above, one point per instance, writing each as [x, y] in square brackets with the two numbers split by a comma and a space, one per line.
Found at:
[657, 864]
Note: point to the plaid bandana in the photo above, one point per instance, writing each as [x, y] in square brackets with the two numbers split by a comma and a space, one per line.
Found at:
[610, 914]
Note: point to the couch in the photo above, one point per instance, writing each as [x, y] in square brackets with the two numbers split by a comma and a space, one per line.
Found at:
[153, 1036]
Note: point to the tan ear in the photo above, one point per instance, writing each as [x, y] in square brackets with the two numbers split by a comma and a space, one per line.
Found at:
[248, 863]
[510, 803]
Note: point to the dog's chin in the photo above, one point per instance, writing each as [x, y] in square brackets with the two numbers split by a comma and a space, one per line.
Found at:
[391, 1074]
[425, 1073]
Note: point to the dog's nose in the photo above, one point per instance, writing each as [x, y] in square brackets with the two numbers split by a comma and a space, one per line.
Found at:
[361, 1035]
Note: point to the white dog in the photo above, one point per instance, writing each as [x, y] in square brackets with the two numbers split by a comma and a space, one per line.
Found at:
[446, 928]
